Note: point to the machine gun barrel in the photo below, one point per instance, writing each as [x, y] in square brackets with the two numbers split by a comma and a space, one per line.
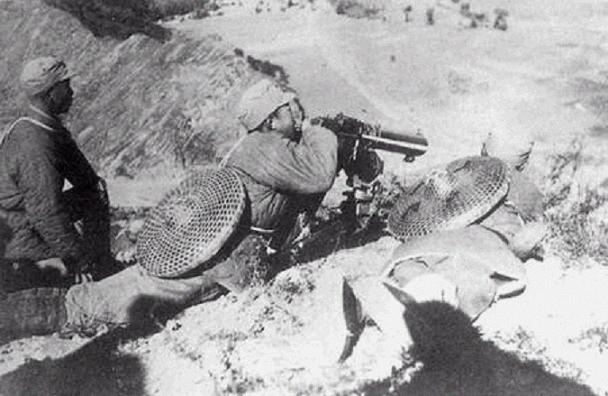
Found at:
[410, 145]
[406, 144]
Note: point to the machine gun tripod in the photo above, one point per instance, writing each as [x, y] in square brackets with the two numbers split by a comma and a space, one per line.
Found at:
[362, 166]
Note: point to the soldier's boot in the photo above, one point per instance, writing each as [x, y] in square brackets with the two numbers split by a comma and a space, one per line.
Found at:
[32, 312]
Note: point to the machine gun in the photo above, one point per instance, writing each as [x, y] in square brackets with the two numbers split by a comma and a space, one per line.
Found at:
[369, 136]
[362, 167]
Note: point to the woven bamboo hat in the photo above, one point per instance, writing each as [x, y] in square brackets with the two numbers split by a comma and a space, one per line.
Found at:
[450, 197]
[191, 223]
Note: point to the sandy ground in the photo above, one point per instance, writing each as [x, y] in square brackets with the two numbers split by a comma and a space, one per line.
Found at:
[284, 339]
[553, 320]
[543, 79]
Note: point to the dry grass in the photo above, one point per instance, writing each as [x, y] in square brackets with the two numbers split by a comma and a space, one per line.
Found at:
[595, 338]
[574, 211]
[268, 68]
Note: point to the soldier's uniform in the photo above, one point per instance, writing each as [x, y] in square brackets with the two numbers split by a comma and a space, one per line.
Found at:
[278, 174]
[281, 175]
[37, 156]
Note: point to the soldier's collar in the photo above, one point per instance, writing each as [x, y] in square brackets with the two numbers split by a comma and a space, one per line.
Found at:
[49, 121]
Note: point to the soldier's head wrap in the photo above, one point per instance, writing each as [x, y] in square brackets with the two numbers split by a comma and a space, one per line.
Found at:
[260, 101]
[40, 74]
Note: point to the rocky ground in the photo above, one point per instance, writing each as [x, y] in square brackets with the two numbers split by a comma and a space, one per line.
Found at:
[542, 79]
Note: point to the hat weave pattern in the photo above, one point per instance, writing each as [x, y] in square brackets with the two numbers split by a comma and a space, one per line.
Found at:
[191, 223]
[449, 198]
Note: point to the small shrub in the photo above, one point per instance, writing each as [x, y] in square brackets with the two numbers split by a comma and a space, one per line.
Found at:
[430, 16]
[573, 213]
[233, 380]
[500, 22]
[357, 9]
[595, 337]
[406, 12]
[268, 68]
[477, 19]
[465, 9]
[576, 233]
[200, 14]
[293, 282]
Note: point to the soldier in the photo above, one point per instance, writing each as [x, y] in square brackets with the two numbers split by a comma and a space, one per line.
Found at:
[67, 231]
[286, 165]
[475, 255]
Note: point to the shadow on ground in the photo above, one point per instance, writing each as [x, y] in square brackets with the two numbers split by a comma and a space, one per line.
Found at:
[334, 237]
[458, 362]
[96, 369]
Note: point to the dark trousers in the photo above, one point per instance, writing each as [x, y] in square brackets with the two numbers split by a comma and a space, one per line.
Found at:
[89, 211]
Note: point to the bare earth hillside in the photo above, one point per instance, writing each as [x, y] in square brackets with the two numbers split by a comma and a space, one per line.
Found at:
[140, 105]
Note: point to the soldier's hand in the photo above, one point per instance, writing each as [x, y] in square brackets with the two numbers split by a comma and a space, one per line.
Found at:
[82, 277]
[53, 263]
[82, 270]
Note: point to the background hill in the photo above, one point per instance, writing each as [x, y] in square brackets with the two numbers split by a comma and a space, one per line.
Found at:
[141, 105]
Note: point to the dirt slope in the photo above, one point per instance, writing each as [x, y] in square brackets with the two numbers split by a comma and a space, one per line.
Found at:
[140, 105]
[284, 339]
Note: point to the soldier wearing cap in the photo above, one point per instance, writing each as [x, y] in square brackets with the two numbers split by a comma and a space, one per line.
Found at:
[286, 166]
[37, 156]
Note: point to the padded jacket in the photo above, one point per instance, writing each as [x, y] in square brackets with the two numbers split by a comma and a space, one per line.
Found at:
[284, 177]
[35, 161]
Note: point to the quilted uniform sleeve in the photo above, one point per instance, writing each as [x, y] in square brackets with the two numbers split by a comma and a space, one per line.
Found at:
[305, 167]
[41, 184]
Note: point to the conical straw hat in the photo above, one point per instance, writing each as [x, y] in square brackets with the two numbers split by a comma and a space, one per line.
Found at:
[191, 223]
[451, 197]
